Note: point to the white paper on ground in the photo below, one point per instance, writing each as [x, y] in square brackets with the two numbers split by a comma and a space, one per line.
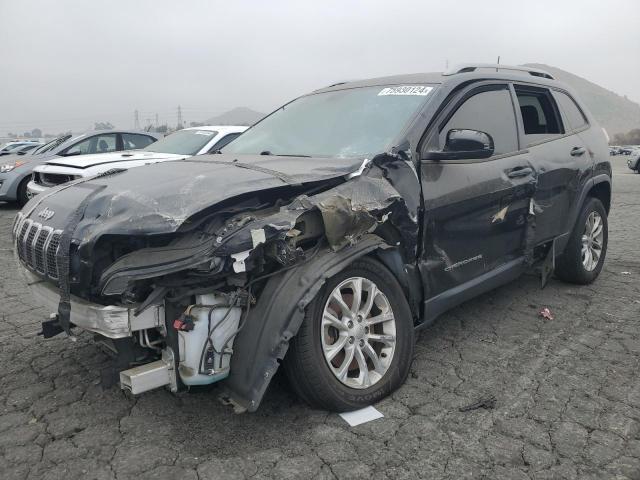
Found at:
[363, 415]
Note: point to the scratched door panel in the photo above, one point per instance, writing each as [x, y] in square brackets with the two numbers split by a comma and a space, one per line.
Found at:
[475, 218]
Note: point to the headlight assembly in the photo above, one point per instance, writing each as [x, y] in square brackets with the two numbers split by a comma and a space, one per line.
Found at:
[10, 166]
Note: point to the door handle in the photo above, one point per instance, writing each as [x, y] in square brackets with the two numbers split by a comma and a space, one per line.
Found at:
[577, 151]
[520, 172]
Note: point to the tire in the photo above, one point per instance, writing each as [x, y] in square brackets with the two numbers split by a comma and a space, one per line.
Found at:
[571, 267]
[307, 365]
[21, 195]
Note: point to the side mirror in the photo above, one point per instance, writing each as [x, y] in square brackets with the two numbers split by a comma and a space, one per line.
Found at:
[71, 154]
[463, 144]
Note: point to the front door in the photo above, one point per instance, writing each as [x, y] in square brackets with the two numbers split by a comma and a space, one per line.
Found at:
[476, 210]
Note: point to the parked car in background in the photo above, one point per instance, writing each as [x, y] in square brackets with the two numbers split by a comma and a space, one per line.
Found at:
[20, 149]
[15, 170]
[633, 162]
[325, 235]
[176, 146]
[626, 150]
[14, 147]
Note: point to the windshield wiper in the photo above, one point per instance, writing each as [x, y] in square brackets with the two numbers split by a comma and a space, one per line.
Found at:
[267, 152]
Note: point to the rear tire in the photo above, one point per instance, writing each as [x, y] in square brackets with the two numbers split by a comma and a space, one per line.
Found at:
[580, 262]
[362, 338]
[21, 195]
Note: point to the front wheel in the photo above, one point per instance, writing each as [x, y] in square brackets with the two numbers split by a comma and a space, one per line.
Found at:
[355, 344]
[582, 260]
[22, 197]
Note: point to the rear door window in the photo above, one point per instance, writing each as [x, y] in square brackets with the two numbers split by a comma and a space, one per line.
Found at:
[488, 111]
[574, 118]
[539, 113]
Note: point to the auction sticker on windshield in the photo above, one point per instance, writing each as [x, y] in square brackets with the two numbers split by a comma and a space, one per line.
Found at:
[204, 132]
[406, 90]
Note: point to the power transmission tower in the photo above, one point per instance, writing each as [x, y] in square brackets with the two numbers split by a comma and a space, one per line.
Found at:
[136, 120]
[179, 117]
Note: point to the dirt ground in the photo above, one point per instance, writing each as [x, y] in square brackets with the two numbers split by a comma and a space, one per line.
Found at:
[567, 394]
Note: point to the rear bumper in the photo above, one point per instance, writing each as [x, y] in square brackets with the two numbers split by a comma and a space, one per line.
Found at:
[111, 321]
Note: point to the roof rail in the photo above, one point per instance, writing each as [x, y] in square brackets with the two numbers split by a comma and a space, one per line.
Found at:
[472, 67]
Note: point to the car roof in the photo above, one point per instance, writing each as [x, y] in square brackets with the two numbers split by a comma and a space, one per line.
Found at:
[457, 75]
[220, 128]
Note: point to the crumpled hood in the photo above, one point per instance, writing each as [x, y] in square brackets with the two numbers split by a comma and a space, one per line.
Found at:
[158, 198]
[85, 161]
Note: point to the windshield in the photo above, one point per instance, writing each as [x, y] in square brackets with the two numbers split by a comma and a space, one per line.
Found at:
[355, 122]
[182, 142]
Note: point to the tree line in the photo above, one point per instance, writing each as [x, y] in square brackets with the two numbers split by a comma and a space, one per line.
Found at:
[632, 137]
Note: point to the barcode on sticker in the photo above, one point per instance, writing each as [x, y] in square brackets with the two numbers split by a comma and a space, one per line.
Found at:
[406, 90]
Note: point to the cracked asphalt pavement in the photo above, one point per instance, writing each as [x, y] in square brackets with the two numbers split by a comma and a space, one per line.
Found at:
[567, 396]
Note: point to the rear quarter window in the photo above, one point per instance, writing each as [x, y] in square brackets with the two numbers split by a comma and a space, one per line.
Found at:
[574, 118]
[132, 141]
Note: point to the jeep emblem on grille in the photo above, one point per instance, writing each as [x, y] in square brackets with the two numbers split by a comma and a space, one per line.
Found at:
[46, 214]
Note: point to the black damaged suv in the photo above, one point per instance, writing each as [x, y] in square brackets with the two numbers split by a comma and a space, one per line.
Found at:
[322, 237]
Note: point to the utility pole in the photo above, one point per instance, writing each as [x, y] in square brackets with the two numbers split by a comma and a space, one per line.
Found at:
[136, 120]
[179, 117]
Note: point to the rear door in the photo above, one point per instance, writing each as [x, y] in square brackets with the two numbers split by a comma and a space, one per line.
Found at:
[558, 154]
[475, 209]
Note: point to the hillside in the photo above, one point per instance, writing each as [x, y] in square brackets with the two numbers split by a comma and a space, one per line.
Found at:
[614, 112]
[236, 116]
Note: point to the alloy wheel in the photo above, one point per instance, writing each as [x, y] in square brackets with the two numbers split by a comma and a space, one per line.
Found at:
[358, 333]
[592, 240]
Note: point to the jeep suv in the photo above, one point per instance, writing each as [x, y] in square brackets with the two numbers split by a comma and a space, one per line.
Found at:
[325, 235]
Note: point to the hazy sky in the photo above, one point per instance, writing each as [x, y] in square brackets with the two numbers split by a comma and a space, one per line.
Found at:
[66, 64]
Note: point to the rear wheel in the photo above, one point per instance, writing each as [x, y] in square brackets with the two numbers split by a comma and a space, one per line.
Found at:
[582, 260]
[355, 344]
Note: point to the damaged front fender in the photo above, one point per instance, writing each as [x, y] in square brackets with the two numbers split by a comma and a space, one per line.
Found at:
[276, 318]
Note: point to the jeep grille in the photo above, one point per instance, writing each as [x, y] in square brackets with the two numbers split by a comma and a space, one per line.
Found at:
[37, 246]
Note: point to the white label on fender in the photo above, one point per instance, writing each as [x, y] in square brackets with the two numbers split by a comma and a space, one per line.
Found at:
[406, 90]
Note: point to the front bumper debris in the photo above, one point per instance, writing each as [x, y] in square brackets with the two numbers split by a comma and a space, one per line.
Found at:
[111, 321]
